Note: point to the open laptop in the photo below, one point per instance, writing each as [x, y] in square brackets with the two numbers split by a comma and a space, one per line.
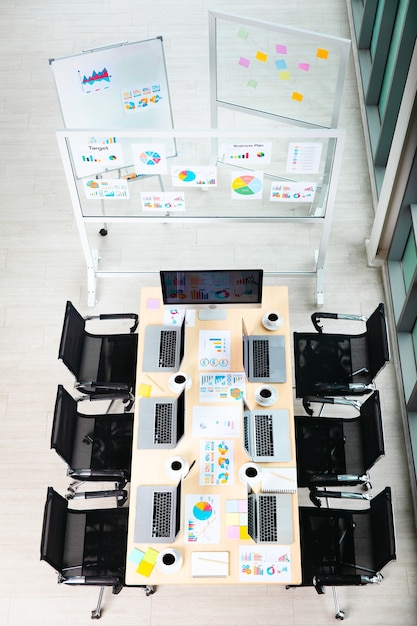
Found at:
[264, 357]
[161, 422]
[158, 513]
[266, 434]
[164, 348]
[270, 517]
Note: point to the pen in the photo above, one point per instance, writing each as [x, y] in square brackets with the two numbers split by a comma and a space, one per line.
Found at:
[191, 466]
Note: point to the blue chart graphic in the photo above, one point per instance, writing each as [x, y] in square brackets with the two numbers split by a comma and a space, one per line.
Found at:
[202, 511]
[89, 83]
[187, 176]
[150, 158]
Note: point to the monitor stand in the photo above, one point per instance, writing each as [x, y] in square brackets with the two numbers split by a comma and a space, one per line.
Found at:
[212, 314]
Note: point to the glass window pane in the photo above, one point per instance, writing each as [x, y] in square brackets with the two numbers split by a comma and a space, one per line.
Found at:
[414, 337]
[409, 260]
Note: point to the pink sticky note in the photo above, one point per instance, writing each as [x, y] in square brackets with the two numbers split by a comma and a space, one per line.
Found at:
[232, 532]
[244, 62]
[304, 66]
[152, 303]
[281, 48]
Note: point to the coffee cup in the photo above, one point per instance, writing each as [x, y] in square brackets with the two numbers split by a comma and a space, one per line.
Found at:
[266, 395]
[169, 561]
[177, 467]
[250, 474]
[272, 320]
[178, 382]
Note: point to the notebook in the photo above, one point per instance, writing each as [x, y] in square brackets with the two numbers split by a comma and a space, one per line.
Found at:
[209, 564]
[161, 422]
[164, 348]
[266, 434]
[279, 480]
[270, 517]
[158, 513]
[263, 357]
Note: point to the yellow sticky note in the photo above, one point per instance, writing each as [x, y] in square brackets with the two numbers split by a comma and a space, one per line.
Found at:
[284, 75]
[261, 56]
[151, 555]
[322, 53]
[232, 519]
[145, 568]
[297, 96]
[244, 532]
[144, 390]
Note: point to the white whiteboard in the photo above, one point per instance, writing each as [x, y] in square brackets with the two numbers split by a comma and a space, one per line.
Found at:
[121, 86]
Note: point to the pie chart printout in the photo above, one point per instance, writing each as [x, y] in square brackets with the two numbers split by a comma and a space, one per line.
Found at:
[187, 176]
[150, 158]
[202, 511]
[247, 185]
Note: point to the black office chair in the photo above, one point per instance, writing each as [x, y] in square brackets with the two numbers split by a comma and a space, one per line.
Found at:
[86, 547]
[336, 451]
[341, 547]
[103, 365]
[330, 364]
[94, 447]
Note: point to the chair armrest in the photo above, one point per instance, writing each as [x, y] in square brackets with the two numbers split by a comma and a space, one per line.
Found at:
[116, 316]
[99, 474]
[342, 580]
[334, 316]
[307, 400]
[316, 494]
[97, 581]
[121, 495]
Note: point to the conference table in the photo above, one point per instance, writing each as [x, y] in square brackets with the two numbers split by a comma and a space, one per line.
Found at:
[213, 547]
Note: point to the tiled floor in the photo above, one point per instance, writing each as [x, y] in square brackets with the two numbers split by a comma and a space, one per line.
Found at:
[41, 266]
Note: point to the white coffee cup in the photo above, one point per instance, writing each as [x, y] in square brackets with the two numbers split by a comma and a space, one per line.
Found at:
[177, 467]
[266, 395]
[169, 561]
[250, 474]
[179, 381]
[272, 320]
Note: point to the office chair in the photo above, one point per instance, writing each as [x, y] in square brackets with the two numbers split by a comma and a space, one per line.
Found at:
[86, 547]
[330, 364]
[341, 547]
[336, 451]
[103, 365]
[94, 447]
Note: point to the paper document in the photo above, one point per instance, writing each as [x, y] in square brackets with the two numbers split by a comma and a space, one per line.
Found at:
[279, 480]
[209, 564]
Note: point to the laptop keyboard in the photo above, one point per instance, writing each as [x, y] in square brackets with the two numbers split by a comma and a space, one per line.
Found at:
[162, 506]
[260, 358]
[251, 518]
[163, 423]
[264, 441]
[167, 347]
[267, 518]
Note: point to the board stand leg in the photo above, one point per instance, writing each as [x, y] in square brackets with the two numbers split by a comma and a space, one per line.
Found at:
[92, 278]
[319, 282]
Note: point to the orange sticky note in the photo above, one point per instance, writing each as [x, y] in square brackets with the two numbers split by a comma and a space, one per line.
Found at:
[322, 53]
[261, 56]
[297, 96]
[144, 390]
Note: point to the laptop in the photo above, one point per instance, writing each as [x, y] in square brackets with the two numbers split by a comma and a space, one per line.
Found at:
[164, 348]
[270, 517]
[158, 513]
[161, 422]
[263, 357]
[266, 434]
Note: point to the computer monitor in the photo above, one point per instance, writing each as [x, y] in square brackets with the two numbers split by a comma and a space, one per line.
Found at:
[212, 291]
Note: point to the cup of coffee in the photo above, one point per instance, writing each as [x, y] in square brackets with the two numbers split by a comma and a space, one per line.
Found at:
[250, 474]
[177, 467]
[178, 382]
[272, 320]
[169, 561]
[266, 395]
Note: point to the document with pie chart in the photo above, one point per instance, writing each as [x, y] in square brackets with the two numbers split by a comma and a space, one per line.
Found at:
[246, 185]
[194, 176]
[149, 158]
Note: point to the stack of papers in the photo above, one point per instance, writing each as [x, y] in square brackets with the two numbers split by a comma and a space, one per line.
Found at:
[209, 564]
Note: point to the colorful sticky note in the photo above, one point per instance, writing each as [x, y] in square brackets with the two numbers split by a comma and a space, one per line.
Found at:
[136, 556]
[152, 303]
[281, 64]
[232, 519]
[322, 53]
[261, 56]
[242, 33]
[244, 532]
[284, 75]
[281, 48]
[297, 96]
[144, 390]
[304, 66]
[244, 62]
[252, 83]
[145, 568]
[232, 532]
[232, 506]
[151, 555]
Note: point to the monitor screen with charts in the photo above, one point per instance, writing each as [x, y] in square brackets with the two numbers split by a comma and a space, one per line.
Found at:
[212, 290]
[161, 422]
[264, 357]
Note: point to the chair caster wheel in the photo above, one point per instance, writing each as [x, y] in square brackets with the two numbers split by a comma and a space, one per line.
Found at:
[340, 615]
[149, 590]
[95, 615]
[103, 232]
[367, 487]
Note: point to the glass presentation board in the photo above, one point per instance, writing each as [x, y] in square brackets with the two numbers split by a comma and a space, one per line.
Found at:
[120, 86]
[276, 71]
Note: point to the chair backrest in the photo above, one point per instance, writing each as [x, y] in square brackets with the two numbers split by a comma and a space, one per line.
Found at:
[372, 430]
[383, 531]
[54, 530]
[378, 348]
[105, 542]
[64, 425]
[72, 339]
